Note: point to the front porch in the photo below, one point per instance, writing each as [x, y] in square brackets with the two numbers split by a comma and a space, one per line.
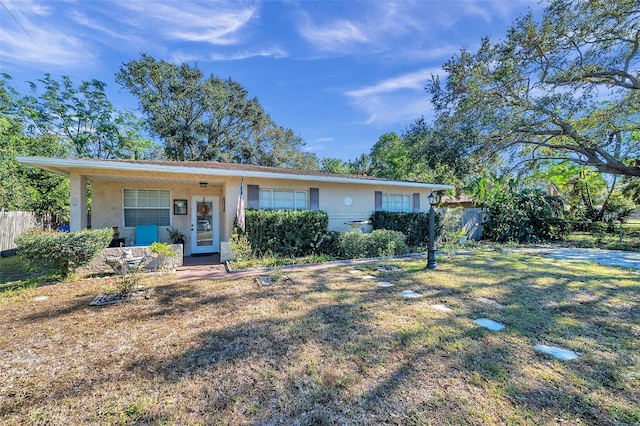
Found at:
[212, 259]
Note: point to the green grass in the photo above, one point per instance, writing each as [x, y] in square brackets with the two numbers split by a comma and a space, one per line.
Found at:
[15, 277]
[630, 240]
[327, 347]
[270, 261]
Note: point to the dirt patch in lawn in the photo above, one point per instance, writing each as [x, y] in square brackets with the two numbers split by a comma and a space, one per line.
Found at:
[328, 347]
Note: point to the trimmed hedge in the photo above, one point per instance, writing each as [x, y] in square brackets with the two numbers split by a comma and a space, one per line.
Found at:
[415, 226]
[288, 232]
[62, 251]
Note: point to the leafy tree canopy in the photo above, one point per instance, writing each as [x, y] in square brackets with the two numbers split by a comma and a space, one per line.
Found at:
[564, 87]
[26, 188]
[208, 119]
[81, 120]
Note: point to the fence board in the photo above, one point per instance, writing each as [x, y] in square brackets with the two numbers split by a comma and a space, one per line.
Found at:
[15, 223]
[472, 223]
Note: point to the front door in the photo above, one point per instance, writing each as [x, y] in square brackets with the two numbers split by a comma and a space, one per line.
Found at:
[205, 232]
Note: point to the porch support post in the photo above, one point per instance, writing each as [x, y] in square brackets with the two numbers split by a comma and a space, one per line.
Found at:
[78, 213]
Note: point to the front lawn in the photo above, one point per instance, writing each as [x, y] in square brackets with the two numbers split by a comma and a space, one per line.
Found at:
[331, 347]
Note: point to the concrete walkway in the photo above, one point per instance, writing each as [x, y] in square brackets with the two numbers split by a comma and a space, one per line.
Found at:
[218, 272]
[623, 259]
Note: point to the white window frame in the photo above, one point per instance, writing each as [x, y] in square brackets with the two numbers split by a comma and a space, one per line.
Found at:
[168, 207]
[397, 202]
[266, 199]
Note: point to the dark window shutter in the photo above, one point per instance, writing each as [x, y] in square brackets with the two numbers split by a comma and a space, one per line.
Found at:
[253, 196]
[416, 202]
[378, 201]
[314, 198]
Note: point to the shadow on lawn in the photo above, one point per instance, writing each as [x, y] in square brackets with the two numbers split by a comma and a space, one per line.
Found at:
[328, 358]
[269, 361]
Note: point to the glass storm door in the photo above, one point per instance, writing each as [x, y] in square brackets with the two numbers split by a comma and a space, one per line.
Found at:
[205, 235]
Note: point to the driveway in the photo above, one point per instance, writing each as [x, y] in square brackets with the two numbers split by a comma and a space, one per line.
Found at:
[624, 259]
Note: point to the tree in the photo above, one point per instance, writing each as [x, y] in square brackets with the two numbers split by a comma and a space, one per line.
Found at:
[280, 147]
[565, 87]
[82, 120]
[442, 152]
[390, 157]
[26, 188]
[333, 165]
[207, 119]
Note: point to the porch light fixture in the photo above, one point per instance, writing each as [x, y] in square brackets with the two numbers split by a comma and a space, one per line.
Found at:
[203, 184]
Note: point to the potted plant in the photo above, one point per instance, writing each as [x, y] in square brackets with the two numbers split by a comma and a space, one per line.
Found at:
[176, 235]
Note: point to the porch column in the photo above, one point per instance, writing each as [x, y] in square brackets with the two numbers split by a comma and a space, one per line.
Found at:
[78, 213]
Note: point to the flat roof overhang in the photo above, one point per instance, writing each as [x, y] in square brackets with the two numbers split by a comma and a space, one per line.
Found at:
[153, 172]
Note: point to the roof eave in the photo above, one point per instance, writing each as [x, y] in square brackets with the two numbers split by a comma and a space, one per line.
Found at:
[63, 166]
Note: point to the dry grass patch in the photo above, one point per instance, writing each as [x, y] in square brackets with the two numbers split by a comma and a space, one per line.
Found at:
[330, 348]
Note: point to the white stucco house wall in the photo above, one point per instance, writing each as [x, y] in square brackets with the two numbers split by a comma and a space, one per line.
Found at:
[200, 198]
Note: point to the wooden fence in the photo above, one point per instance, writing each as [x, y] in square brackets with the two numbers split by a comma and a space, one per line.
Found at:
[14, 224]
[472, 223]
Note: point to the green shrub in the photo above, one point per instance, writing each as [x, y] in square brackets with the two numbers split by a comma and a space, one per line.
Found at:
[524, 216]
[379, 243]
[62, 252]
[163, 250]
[287, 232]
[415, 226]
[352, 245]
[240, 246]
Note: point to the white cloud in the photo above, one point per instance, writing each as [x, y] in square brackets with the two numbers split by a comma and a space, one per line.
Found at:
[84, 21]
[411, 81]
[178, 57]
[395, 100]
[337, 36]
[217, 23]
[30, 36]
[274, 52]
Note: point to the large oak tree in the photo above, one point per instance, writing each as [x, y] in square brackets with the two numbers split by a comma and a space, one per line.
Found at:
[208, 119]
[564, 87]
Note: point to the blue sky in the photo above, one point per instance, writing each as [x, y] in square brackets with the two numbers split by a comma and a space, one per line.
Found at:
[339, 73]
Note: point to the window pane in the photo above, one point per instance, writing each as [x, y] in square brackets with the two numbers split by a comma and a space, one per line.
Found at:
[130, 197]
[283, 200]
[147, 207]
[385, 202]
[396, 203]
[152, 198]
[301, 200]
[266, 201]
[164, 198]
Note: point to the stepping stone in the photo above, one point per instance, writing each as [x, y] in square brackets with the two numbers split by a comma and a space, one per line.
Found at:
[490, 302]
[559, 353]
[354, 271]
[463, 252]
[385, 284]
[264, 281]
[490, 324]
[410, 294]
[41, 298]
[368, 277]
[441, 308]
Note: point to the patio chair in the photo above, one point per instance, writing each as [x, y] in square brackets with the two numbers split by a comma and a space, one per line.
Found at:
[146, 235]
